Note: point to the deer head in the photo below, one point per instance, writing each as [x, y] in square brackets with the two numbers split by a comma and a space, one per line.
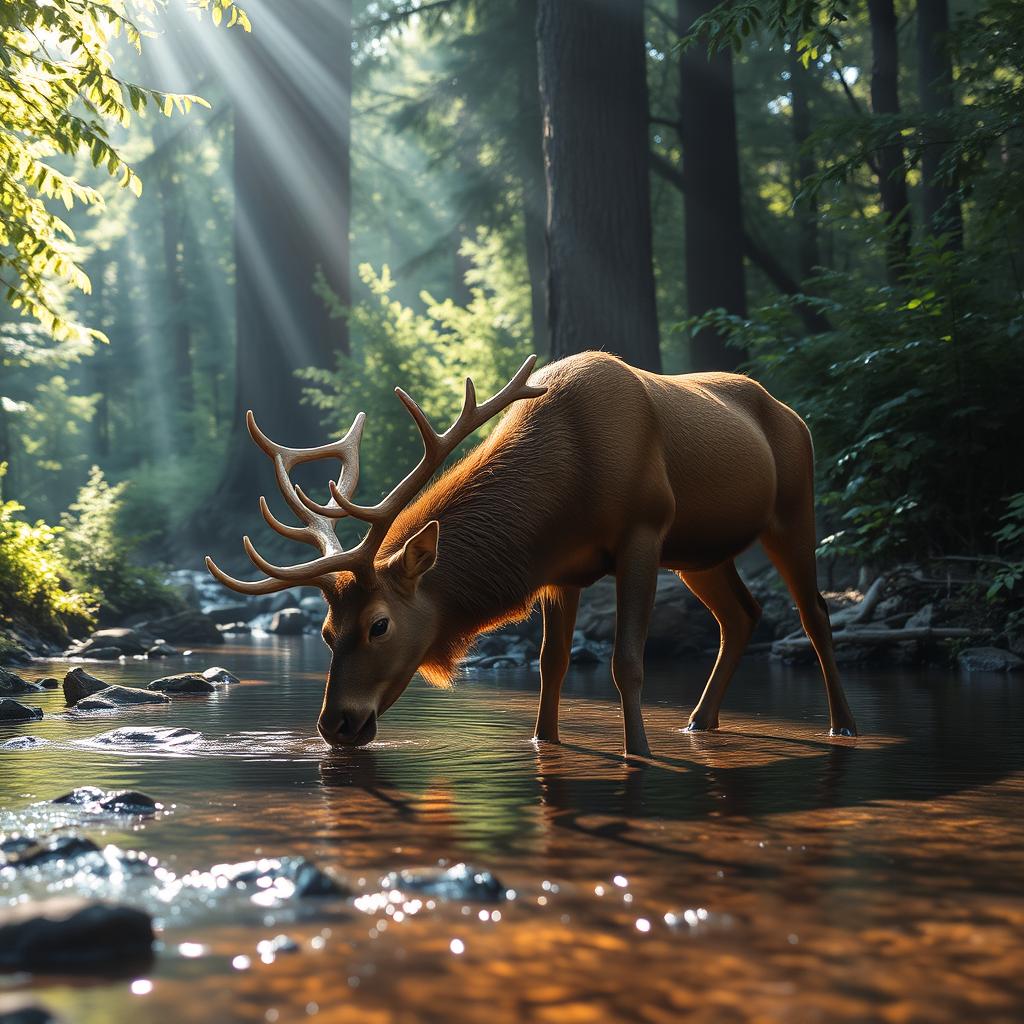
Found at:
[380, 623]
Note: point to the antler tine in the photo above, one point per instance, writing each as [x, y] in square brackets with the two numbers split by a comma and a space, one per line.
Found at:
[264, 586]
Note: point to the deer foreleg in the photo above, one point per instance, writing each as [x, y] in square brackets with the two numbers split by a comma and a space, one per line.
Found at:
[636, 577]
[559, 610]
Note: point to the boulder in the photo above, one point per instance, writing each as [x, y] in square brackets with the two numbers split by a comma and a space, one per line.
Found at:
[128, 641]
[921, 619]
[12, 711]
[78, 684]
[235, 627]
[119, 697]
[12, 684]
[219, 676]
[69, 933]
[288, 622]
[120, 801]
[306, 878]
[48, 682]
[990, 659]
[188, 626]
[18, 1012]
[100, 653]
[185, 682]
[162, 650]
[230, 613]
[459, 882]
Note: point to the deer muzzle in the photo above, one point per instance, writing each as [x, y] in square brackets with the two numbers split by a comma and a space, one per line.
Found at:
[353, 728]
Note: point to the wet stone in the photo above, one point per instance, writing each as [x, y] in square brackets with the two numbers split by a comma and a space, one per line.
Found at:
[122, 801]
[78, 684]
[288, 622]
[162, 650]
[990, 659]
[74, 934]
[27, 1013]
[133, 735]
[185, 682]
[12, 711]
[119, 697]
[219, 675]
[48, 682]
[459, 882]
[302, 878]
[31, 853]
[11, 684]
[23, 743]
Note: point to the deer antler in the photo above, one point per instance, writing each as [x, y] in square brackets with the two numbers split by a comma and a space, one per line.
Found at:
[320, 520]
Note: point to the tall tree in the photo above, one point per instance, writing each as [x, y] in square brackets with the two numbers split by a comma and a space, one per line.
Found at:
[713, 205]
[805, 206]
[292, 124]
[935, 70]
[885, 101]
[593, 85]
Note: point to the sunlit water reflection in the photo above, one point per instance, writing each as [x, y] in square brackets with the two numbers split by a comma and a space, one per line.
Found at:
[761, 873]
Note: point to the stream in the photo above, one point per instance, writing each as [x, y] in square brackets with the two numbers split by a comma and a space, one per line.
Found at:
[764, 872]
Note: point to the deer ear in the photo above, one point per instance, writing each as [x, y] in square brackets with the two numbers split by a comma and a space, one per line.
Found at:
[419, 552]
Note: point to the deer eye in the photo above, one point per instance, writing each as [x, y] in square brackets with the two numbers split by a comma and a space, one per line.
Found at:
[379, 627]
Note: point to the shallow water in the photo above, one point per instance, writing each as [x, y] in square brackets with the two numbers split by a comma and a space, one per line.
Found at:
[761, 873]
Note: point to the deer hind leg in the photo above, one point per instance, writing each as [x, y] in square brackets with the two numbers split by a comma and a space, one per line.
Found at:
[636, 579]
[725, 595]
[558, 606]
[791, 549]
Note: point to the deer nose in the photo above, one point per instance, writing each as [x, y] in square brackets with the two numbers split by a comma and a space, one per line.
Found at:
[347, 728]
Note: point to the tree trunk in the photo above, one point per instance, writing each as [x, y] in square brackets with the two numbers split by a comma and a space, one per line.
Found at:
[885, 100]
[593, 83]
[530, 149]
[179, 334]
[805, 207]
[935, 70]
[712, 206]
[292, 123]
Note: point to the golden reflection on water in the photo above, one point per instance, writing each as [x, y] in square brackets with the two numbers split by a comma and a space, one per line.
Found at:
[763, 873]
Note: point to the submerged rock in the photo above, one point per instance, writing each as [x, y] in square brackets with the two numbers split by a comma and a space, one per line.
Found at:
[78, 684]
[185, 682]
[133, 735]
[11, 684]
[12, 711]
[990, 659]
[21, 852]
[459, 882]
[301, 877]
[23, 743]
[73, 934]
[216, 674]
[121, 801]
[119, 697]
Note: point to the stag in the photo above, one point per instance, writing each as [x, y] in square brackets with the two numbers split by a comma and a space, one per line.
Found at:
[597, 468]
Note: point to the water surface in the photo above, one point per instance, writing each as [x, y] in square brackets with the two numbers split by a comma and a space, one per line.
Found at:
[765, 872]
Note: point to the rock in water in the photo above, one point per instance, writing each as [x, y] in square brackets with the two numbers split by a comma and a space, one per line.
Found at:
[134, 735]
[119, 697]
[186, 627]
[78, 684]
[30, 853]
[459, 882]
[121, 801]
[23, 743]
[11, 684]
[162, 650]
[305, 878]
[186, 682]
[48, 682]
[288, 622]
[990, 659]
[27, 1013]
[12, 711]
[73, 934]
[216, 674]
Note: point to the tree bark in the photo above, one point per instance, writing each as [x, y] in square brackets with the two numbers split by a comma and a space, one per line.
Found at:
[885, 100]
[805, 207]
[292, 170]
[530, 149]
[935, 70]
[713, 205]
[593, 83]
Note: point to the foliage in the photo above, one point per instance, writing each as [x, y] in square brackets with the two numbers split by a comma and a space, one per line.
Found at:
[98, 552]
[1011, 534]
[60, 94]
[34, 582]
[428, 353]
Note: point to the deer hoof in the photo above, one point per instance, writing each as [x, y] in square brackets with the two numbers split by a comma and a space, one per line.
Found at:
[843, 730]
[697, 726]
